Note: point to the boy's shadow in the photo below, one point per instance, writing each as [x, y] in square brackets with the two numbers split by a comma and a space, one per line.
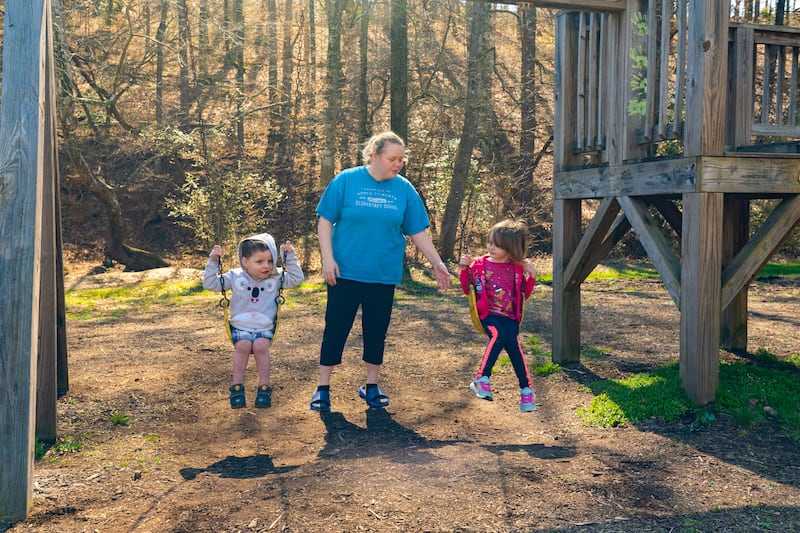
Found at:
[239, 468]
[382, 436]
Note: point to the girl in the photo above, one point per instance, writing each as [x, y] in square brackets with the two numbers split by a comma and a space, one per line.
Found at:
[503, 280]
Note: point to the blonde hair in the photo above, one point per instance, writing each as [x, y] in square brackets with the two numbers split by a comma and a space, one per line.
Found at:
[377, 143]
[511, 236]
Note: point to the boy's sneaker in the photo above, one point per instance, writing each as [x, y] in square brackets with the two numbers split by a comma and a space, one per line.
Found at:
[482, 388]
[237, 396]
[263, 396]
[527, 400]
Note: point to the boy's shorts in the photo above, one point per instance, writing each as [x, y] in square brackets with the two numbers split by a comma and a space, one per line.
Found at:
[248, 335]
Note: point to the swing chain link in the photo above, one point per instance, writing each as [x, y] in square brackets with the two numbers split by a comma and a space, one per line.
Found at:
[224, 302]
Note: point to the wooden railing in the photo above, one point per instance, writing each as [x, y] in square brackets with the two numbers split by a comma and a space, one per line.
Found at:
[637, 65]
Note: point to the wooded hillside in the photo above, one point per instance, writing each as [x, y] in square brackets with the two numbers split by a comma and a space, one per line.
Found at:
[188, 122]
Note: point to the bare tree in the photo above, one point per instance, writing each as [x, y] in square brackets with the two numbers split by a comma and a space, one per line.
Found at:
[479, 23]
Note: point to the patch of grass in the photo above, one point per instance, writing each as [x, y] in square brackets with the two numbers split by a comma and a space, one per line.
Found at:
[632, 271]
[544, 368]
[38, 450]
[636, 398]
[151, 438]
[533, 346]
[84, 303]
[780, 270]
[68, 444]
[749, 393]
[593, 352]
[119, 419]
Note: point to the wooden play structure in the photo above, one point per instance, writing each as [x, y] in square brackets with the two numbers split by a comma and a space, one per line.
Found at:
[672, 118]
[668, 116]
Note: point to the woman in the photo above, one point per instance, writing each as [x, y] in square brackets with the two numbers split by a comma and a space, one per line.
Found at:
[364, 217]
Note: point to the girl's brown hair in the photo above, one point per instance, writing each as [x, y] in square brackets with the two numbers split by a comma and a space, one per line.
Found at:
[511, 236]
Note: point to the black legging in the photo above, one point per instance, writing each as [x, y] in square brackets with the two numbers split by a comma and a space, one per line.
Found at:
[344, 298]
[504, 334]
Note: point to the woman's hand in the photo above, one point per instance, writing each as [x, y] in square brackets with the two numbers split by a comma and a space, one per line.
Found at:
[442, 276]
[330, 270]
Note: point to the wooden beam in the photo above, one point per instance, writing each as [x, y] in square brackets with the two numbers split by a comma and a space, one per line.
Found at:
[761, 246]
[566, 303]
[735, 232]
[701, 252]
[46, 383]
[765, 174]
[739, 127]
[571, 5]
[21, 177]
[670, 212]
[663, 177]
[654, 241]
[566, 97]
[583, 259]
[706, 87]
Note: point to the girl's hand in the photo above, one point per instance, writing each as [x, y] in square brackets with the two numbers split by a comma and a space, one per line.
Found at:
[216, 252]
[466, 261]
[287, 247]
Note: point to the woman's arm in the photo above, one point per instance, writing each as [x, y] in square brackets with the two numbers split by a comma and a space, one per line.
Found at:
[330, 269]
[424, 244]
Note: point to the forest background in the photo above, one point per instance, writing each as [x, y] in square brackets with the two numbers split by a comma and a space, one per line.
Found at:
[184, 123]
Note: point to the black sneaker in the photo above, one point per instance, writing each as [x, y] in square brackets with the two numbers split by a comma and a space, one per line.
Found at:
[237, 396]
[263, 396]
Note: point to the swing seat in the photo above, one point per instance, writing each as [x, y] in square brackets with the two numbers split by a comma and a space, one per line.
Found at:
[473, 311]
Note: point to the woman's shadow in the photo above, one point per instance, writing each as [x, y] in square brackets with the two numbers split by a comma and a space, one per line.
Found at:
[383, 436]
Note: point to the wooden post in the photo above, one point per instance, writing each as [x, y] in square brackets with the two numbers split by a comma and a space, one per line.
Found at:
[21, 176]
[736, 230]
[566, 213]
[566, 301]
[46, 389]
[701, 239]
[701, 279]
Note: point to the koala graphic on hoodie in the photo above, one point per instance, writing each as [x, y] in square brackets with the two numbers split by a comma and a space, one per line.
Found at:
[253, 303]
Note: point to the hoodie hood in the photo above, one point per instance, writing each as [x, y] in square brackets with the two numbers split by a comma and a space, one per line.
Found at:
[267, 239]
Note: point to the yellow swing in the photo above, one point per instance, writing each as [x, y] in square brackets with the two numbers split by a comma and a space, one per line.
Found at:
[473, 307]
[225, 303]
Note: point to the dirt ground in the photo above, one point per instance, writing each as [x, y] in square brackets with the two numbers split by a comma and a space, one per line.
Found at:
[437, 459]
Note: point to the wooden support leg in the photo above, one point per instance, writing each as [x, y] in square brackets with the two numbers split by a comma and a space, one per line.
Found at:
[735, 232]
[701, 275]
[566, 303]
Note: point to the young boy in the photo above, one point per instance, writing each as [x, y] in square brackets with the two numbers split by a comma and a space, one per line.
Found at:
[253, 306]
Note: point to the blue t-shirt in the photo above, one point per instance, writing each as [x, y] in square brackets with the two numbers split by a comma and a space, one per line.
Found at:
[370, 222]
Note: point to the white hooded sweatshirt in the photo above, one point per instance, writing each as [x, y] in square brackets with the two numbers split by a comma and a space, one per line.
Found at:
[253, 303]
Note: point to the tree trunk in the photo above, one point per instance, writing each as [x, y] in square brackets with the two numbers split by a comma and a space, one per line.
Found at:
[116, 248]
[364, 125]
[184, 42]
[334, 77]
[524, 187]
[272, 81]
[203, 40]
[479, 17]
[160, 35]
[238, 53]
[284, 142]
[399, 65]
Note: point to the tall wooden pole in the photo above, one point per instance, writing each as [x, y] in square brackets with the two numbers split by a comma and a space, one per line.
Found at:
[21, 178]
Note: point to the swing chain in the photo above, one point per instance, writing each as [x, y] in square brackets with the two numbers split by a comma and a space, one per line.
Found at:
[224, 302]
[279, 299]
